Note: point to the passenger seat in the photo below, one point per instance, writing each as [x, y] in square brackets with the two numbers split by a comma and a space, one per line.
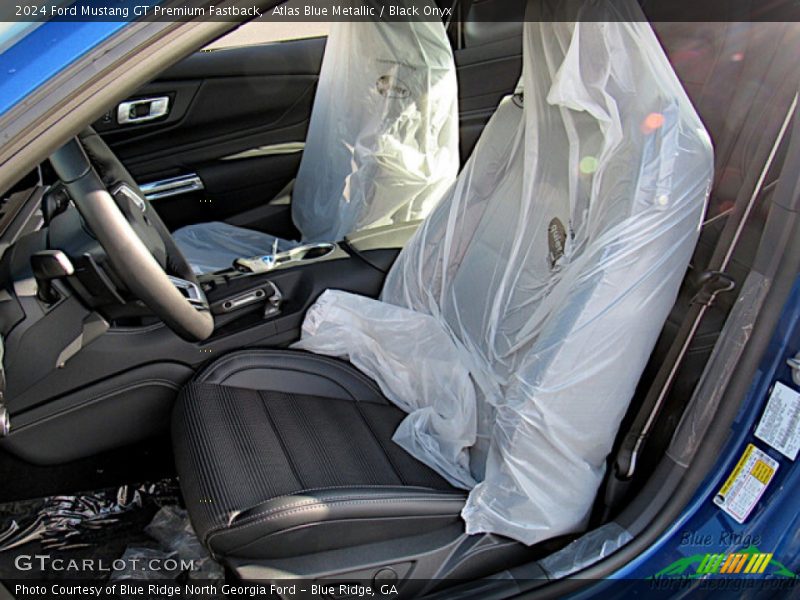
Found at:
[382, 145]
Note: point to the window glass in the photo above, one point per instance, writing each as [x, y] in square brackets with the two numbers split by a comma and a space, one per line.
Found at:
[267, 31]
[11, 33]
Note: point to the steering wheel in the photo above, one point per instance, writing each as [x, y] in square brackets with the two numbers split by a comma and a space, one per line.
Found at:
[138, 244]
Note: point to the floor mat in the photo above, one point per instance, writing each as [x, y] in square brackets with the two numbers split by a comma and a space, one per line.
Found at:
[130, 532]
[149, 460]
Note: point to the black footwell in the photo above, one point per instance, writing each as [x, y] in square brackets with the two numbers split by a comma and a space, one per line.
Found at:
[129, 532]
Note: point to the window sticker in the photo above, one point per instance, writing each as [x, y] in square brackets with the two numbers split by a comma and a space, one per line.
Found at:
[745, 486]
[780, 425]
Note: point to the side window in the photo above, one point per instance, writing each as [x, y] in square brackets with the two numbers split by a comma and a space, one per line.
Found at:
[264, 31]
[485, 21]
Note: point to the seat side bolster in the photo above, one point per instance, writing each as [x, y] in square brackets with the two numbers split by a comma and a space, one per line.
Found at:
[291, 371]
[369, 505]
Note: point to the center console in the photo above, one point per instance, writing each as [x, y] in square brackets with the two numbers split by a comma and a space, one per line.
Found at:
[272, 292]
[120, 388]
[280, 287]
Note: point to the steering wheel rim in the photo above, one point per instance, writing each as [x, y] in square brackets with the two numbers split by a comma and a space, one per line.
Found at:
[187, 315]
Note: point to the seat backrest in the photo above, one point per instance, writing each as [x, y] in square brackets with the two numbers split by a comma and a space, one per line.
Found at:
[555, 259]
[382, 144]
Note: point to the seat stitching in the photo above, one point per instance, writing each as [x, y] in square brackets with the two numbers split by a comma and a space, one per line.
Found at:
[295, 406]
[424, 490]
[283, 512]
[380, 443]
[416, 488]
[260, 537]
[292, 466]
[313, 501]
[361, 485]
[320, 501]
[346, 367]
[364, 456]
[203, 482]
[293, 370]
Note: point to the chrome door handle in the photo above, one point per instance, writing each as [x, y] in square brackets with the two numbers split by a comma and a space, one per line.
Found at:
[174, 186]
[140, 111]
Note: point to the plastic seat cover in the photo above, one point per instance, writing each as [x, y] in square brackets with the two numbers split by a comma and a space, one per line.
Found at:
[515, 325]
[382, 144]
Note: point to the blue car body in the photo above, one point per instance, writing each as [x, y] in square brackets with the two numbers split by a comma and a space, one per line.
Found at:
[42, 51]
[774, 525]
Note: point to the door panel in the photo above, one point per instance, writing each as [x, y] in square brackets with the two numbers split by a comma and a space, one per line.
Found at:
[229, 110]
[223, 103]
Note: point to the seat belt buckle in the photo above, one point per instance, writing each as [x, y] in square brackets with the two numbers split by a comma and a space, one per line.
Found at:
[5, 421]
[711, 284]
[794, 365]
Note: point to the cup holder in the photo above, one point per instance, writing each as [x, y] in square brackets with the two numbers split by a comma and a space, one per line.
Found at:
[267, 262]
[311, 251]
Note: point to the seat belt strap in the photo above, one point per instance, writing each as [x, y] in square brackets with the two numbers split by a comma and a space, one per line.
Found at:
[712, 282]
[5, 418]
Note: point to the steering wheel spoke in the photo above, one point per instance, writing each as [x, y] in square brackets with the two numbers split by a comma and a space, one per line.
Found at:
[191, 291]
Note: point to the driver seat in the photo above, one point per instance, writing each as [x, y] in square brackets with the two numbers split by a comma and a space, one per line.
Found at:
[287, 459]
[285, 453]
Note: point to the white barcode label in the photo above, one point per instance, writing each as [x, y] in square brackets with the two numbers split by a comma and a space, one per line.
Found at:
[780, 425]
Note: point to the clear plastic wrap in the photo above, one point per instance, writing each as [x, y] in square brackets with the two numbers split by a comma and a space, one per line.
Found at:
[710, 390]
[423, 383]
[179, 552]
[171, 528]
[551, 265]
[60, 522]
[382, 144]
[586, 550]
[214, 246]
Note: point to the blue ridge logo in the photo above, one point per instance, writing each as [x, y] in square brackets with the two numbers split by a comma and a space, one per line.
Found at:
[749, 561]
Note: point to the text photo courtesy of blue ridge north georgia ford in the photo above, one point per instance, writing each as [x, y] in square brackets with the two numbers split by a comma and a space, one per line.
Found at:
[315, 299]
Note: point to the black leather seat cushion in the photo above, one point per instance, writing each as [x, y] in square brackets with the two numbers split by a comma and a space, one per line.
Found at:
[283, 453]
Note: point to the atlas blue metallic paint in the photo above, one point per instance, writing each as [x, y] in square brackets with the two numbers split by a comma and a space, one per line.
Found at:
[45, 50]
[774, 524]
